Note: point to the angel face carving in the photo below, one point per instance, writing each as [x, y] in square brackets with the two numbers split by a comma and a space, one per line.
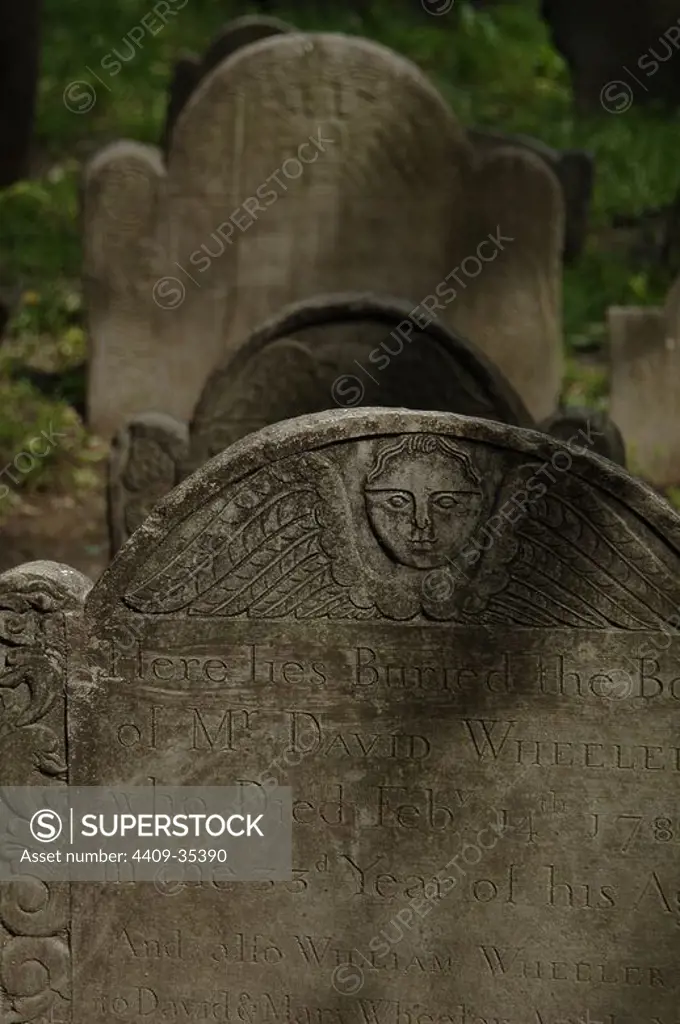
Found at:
[423, 500]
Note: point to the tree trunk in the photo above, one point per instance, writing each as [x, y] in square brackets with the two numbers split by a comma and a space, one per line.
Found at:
[19, 64]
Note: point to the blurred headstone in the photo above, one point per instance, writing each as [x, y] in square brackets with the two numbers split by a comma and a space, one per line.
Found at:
[306, 361]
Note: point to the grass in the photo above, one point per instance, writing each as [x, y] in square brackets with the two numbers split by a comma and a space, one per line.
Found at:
[498, 71]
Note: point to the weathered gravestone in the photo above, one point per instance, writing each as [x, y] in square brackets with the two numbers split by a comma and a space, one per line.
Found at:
[287, 176]
[512, 305]
[305, 164]
[190, 69]
[451, 639]
[645, 363]
[590, 427]
[299, 363]
[36, 601]
[575, 170]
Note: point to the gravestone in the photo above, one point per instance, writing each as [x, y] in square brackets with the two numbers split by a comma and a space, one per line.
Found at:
[212, 252]
[512, 305]
[451, 639]
[298, 364]
[591, 427]
[645, 354]
[575, 170]
[190, 69]
[126, 328]
[38, 601]
[303, 164]
[146, 461]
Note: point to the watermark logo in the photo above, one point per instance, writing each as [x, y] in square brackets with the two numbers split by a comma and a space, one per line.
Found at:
[46, 826]
[437, 7]
[169, 292]
[347, 391]
[617, 97]
[347, 979]
[80, 97]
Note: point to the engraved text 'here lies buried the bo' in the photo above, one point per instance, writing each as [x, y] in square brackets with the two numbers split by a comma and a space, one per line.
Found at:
[483, 781]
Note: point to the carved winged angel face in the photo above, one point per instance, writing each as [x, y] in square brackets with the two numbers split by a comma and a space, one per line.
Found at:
[423, 500]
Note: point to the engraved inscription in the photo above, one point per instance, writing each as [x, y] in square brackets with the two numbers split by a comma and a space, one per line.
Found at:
[484, 817]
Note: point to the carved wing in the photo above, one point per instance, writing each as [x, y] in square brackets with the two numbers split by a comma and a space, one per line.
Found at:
[575, 558]
[267, 550]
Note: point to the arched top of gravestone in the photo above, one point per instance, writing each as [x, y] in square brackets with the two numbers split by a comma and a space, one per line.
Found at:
[289, 367]
[120, 194]
[301, 76]
[590, 427]
[190, 70]
[380, 514]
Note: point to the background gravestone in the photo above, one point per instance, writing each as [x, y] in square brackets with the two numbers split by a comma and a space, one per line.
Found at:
[390, 196]
[575, 170]
[588, 426]
[472, 707]
[338, 222]
[299, 363]
[645, 353]
[37, 602]
[190, 70]
[511, 306]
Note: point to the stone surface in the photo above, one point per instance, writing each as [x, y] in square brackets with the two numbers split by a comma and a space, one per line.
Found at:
[591, 428]
[645, 397]
[297, 364]
[127, 333]
[575, 170]
[190, 69]
[474, 708]
[144, 465]
[37, 602]
[511, 306]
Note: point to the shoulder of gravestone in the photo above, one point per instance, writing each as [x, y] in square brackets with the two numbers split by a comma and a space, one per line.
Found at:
[264, 21]
[515, 448]
[522, 155]
[387, 311]
[581, 425]
[141, 448]
[45, 586]
[124, 149]
[342, 48]
[156, 424]
[496, 139]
